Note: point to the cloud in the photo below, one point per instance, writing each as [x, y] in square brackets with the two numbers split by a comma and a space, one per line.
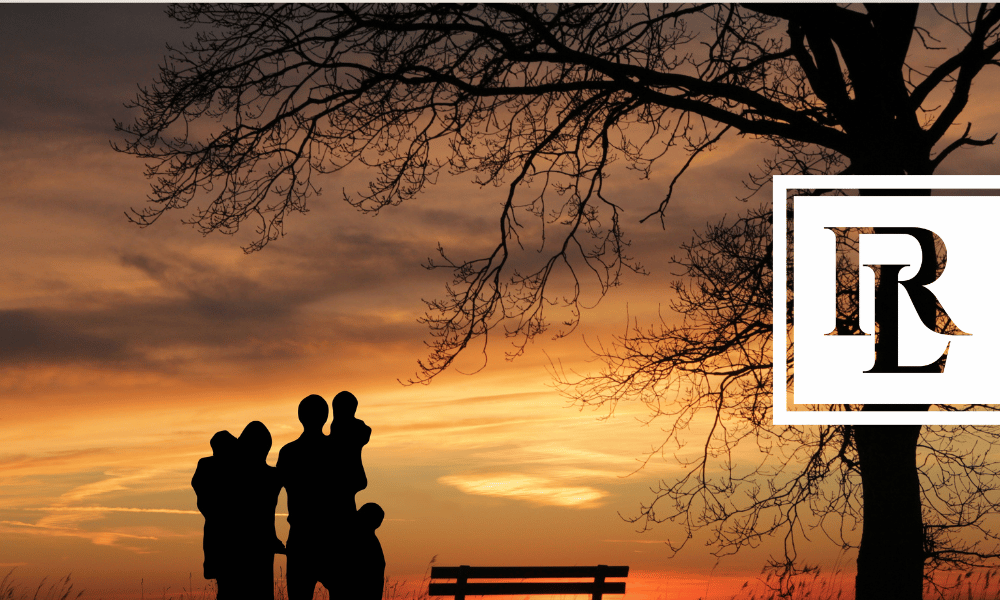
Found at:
[58, 461]
[127, 509]
[101, 538]
[115, 482]
[531, 488]
[203, 310]
[63, 519]
[39, 337]
[103, 509]
[93, 57]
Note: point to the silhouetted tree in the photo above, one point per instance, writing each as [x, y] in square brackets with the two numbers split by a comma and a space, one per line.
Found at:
[269, 97]
[922, 495]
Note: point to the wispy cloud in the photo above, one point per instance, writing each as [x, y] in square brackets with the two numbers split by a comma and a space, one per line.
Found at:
[531, 488]
[125, 509]
[116, 482]
[101, 538]
[164, 511]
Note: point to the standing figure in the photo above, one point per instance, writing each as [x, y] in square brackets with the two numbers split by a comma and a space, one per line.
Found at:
[214, 486]
[302, 467]
[359, 570]
[255, 540]
[370, 567]
[348, 436]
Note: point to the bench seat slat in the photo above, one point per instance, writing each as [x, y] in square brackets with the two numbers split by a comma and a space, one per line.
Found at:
[526, 588]
[526, 572]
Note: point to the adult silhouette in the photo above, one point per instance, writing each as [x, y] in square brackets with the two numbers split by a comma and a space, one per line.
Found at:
[213, 484]
[348, 436]
[255, 542]
[303, 466]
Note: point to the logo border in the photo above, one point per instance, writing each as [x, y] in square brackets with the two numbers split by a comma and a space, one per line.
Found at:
[780, 186]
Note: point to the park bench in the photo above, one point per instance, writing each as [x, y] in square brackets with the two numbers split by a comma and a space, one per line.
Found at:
[522, 587]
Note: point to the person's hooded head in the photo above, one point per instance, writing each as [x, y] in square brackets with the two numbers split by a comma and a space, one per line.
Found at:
[255, 442]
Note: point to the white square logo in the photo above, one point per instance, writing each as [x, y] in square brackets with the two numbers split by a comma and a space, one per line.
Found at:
[936, 327]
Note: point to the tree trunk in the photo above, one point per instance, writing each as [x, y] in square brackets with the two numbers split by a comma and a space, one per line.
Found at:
[891, 557]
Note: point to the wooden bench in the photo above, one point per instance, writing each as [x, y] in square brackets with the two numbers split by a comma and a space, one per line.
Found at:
[462, 588]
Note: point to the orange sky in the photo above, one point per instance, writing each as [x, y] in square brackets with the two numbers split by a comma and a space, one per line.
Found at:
[123, 351]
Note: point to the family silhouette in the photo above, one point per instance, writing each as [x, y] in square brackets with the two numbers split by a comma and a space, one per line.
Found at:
[330, 540]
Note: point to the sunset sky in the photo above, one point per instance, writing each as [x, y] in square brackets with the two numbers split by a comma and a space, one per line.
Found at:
[123, 350]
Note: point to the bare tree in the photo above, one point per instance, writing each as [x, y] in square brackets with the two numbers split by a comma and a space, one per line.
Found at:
[717, 365]
[267, 99]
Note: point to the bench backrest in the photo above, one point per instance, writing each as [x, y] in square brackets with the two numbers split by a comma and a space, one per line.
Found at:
[462, 588]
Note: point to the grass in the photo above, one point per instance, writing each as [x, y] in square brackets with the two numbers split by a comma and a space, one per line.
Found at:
[60, 589]
[394, 589]
[811, 586]
[977, 584]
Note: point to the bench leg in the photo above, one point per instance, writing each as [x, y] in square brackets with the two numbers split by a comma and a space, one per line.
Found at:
[462, 579]
[599, 582]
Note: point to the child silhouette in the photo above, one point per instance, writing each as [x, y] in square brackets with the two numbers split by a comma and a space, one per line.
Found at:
[348, 435]
[213, 484]
[371, 570]
[361, 573]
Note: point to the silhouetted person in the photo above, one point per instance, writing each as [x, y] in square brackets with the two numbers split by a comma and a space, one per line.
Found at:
[303, 466]
[348, 435]
[213, 483]
[357, 565]
[368, 558]
[255, 542]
